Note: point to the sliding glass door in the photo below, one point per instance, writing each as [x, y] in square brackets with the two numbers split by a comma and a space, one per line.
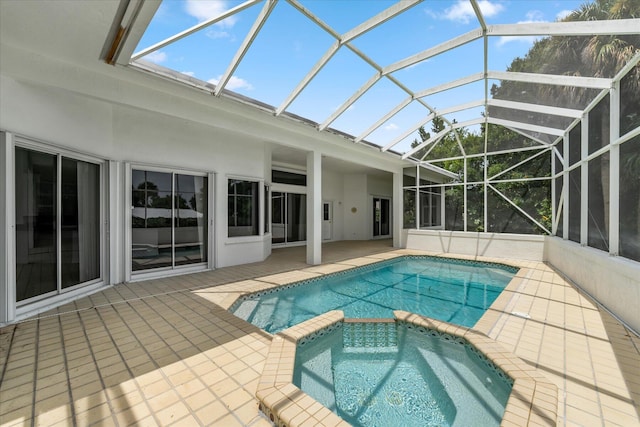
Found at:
[288, 217]
[381, 217]
[58, 238]
[169, 214]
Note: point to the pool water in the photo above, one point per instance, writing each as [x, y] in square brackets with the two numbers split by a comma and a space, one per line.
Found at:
[454, 291]
[412, 377]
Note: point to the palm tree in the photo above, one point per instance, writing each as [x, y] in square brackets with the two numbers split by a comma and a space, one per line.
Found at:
[593, 56]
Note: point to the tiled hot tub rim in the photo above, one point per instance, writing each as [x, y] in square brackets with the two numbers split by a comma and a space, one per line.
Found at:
[533, 399]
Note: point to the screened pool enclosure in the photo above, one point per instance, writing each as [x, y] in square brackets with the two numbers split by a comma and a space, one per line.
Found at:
[546, 141]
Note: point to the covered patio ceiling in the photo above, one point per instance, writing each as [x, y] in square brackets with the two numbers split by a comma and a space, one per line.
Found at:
[373, 72]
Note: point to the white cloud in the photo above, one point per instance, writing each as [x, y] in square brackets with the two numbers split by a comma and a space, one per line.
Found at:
[207, 9]
[188, 73]
[463, 12]
[563, 14]
[503, 40]
[533, 16]
[156, 57]
[390, 127]
[215, 33]
[233, 83]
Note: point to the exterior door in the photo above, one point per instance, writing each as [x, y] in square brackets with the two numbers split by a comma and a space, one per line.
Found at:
[381, 217]
[327, 220]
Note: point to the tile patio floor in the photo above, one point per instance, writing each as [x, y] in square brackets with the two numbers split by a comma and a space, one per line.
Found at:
[166, 352]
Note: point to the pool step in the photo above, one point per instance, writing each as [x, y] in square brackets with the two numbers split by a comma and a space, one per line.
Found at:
[369, 333]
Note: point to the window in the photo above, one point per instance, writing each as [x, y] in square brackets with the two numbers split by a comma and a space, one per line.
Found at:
[243, 208]
[168, 220]
[291, 178]
[429, 203]
[266, 208]
[57, 210]
[430, 207]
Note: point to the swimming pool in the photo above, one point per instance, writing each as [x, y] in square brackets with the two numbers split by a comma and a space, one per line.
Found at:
[397, 374]
[455, 291]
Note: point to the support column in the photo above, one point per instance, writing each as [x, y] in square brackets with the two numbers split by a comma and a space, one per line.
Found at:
[398, 209]
[584, 182]
[118, 210]
[314, 208]
[565, 186]
[7, 230]
[614, 170]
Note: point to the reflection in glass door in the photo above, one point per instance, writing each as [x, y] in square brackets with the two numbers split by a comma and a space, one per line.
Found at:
[58, 239]
[381, 223]
[168, 219]
[288, 217]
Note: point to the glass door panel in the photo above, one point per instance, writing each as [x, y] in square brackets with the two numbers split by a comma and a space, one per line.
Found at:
[376, 217]
[384, 217]
[277, 217]
[36, 223]
[381, 223]
[288, 217]
[296, 217]
[191, 219]
[151, 220]
[169, 219]
[80, 222]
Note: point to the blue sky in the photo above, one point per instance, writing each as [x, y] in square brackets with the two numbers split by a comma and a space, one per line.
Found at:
[290, 44]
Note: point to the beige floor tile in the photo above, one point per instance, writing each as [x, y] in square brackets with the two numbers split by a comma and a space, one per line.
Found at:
[163, 352]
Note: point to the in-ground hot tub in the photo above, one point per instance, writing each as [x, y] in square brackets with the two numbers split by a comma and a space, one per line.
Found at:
[394, 373]
[433, 373]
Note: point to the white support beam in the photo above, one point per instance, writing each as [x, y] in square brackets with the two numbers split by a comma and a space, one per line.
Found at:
[7, 229]
[314, 208]
[472, 122]
[434, 51]
[310, 75]
[556, 152]
[379, 19]
[242, 50]
[384, 118]
[531, 137]
[614, 170]
[478, 12]
[409, 131]
[417, 202]
[573, 28]
[306, 12]
[536, 108]
[489, 153]
[450, 85]
[433, 145]
[195, 28]
[559, 212]
[522, 211]
[526, 126]
[565, 187]
[460, 107]
[528, 159]
[551, 79]
[628, 136]
[397, 216]
[425, 143]
[349, 102]
[584, 181]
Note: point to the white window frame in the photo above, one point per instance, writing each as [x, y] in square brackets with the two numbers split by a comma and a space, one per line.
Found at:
[13, 310]
[134, 276]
